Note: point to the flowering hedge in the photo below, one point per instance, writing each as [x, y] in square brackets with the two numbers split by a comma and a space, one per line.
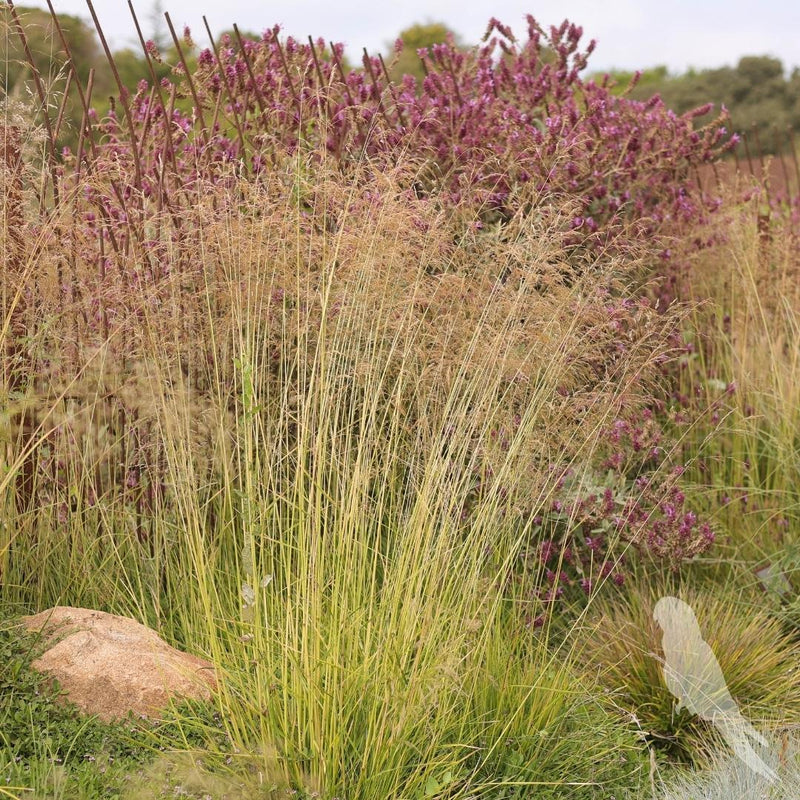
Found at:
[510, 122]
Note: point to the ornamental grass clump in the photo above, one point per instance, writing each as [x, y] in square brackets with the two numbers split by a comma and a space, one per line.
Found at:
[741, 372]
[757, 657]
[354, 523]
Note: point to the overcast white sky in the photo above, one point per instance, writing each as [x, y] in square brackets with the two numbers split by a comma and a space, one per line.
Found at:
[631, 34]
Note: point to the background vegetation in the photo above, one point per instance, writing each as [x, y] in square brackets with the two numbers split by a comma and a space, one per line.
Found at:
[760, 92]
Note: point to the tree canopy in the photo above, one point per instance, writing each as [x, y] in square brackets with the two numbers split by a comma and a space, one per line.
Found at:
[51, 61]
[757, 93]
[418, 36]
[45, 46]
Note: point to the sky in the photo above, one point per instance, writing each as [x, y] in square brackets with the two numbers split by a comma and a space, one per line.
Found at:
[630, 34]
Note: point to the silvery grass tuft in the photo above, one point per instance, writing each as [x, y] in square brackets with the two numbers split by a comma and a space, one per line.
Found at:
[729, 777]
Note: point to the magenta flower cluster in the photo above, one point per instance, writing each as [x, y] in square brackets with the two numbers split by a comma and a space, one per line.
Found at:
[600, 521]
[497, 125]
[586, 541]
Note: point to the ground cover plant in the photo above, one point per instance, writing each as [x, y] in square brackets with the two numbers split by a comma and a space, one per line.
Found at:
[50, 750]
[364, 391]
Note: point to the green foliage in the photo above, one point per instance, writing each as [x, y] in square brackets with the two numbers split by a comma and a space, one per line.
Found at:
[45, 45]
[414, 38]
[45, 744]
[756, 92]
[132, 67]
[650, 80]
[159, 33]
[228, 38]
[780, 578]
[49, 747]
[51, 61]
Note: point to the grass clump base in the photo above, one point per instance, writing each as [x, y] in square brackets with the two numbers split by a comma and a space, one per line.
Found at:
[757, 657]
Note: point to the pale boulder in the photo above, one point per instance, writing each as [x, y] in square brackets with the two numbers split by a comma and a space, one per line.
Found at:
[109, 665]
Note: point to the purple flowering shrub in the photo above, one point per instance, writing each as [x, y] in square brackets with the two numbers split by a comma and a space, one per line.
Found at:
[506, 128]
[485, 123]
[512, 182]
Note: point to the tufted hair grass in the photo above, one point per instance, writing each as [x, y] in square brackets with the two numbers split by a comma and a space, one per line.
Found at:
[304, 506]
